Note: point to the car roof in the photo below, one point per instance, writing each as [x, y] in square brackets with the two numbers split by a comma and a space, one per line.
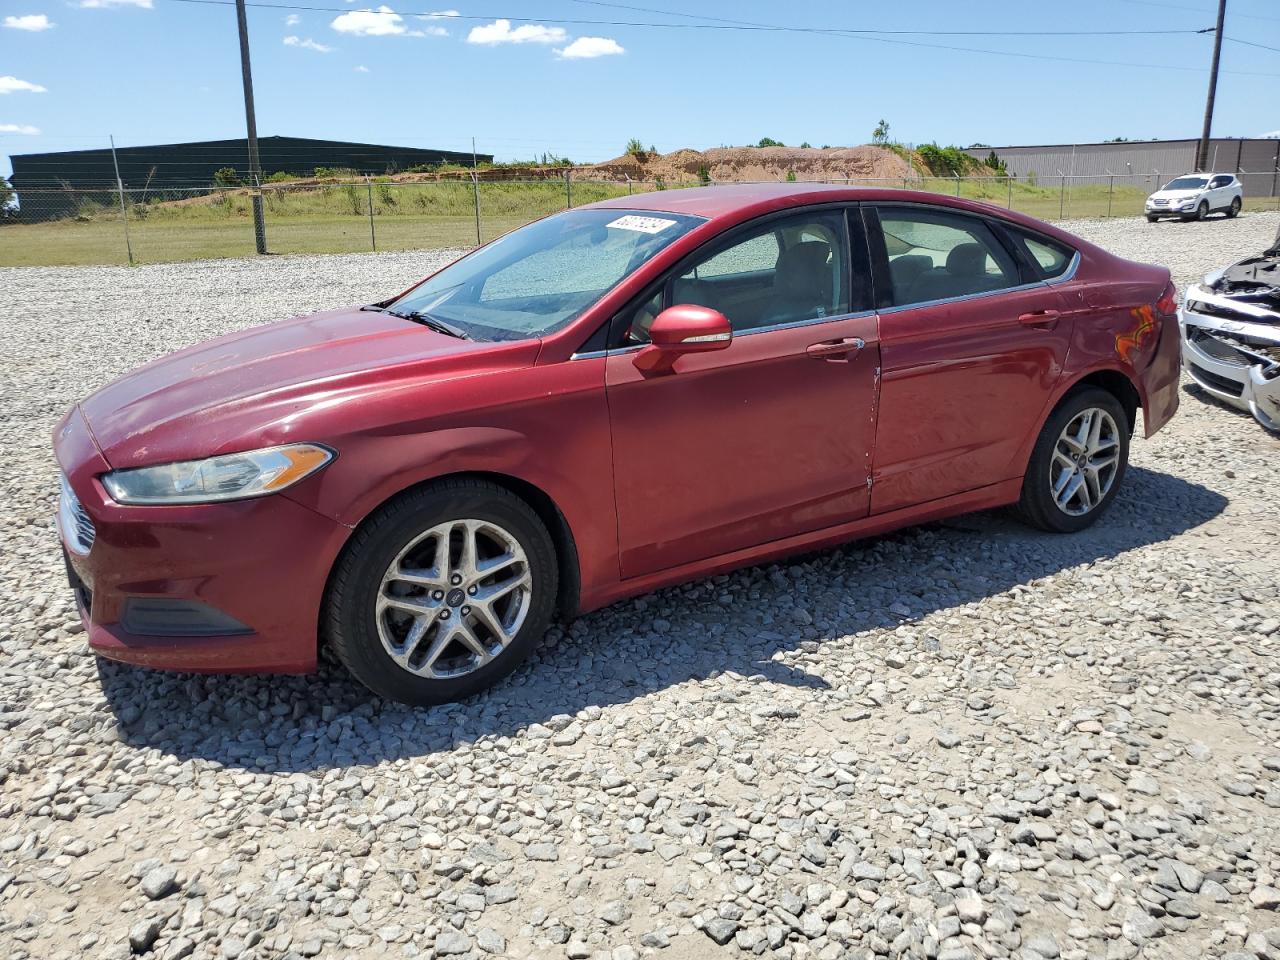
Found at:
[736, 200]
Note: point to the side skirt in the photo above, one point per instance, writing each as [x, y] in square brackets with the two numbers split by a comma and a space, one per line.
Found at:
[984, 498]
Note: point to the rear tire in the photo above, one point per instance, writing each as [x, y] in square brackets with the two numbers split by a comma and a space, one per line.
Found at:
[1078, 462]
[1233, 211]
[442, 592]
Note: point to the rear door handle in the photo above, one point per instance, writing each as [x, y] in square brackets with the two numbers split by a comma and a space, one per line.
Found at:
[1040, 318]
[835, 349]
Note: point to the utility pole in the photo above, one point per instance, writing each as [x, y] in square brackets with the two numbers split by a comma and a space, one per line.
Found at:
[1202, 155]
[255, 172]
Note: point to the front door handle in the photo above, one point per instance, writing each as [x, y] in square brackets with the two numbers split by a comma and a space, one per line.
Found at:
[835, 349]
[1040, 318]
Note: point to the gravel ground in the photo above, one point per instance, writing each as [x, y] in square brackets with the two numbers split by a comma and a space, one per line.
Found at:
[965, 740]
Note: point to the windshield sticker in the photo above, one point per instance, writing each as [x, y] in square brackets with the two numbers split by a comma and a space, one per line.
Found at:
[641, 224]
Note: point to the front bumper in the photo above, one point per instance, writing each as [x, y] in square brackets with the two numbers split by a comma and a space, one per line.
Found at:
[1235, 360]
[227, 588]
[1170, 210]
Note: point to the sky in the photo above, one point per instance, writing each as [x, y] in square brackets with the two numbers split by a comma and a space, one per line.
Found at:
[579, 78]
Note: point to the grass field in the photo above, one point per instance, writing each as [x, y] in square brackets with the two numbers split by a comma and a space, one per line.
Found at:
[334, 218]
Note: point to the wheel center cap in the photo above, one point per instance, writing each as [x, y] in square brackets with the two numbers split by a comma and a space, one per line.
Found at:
[455, 597]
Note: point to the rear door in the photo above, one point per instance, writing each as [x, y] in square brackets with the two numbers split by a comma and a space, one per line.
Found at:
[768, 438]
[972, 342]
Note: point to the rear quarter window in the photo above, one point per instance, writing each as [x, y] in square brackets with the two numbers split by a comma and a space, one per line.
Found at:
[1049, 257]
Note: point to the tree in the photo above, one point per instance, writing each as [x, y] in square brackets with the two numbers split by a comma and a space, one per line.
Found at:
[770, 142]
[806, 145]
[880, 134]
[8, 200]
[635, 148]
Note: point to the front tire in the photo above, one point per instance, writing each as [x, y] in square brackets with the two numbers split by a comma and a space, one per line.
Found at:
[442, 592]
[1202, 211]
[1078, 462]
[1233, 211]
[1152, 218]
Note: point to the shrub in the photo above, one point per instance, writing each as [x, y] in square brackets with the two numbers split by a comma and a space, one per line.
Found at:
[659, 183]
[352, 197]
[226, 177]
[806, 145]
[635, 148]
[791, 176]
[945, 161]
[770, 142]
[996, 164]
[279, 177]
[386, 195]
[704, 175]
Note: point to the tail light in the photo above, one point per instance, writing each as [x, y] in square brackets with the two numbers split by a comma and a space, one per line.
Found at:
[1167, 305]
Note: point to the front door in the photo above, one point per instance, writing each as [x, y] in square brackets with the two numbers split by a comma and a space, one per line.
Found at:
[769, 437]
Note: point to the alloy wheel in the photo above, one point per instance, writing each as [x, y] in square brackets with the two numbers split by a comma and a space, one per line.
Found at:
[454, 598]
[1085, 461]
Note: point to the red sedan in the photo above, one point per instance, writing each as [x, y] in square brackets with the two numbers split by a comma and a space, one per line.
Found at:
[615, 398]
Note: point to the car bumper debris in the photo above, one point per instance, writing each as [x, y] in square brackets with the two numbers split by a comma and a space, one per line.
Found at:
[1230, 328]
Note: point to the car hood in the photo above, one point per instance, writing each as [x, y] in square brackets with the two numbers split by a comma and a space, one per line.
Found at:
[251, 389]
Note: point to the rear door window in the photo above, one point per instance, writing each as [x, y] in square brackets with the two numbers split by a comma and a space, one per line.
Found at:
[939, 255]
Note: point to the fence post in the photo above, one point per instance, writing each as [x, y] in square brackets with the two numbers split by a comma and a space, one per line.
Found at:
[475, 187]
[1062, 193]
[904, 183]
[124, 212]
[1111, 189]
[957, 184]
[568, 188]
[1008, 182]
[628, 176]
[373, 237]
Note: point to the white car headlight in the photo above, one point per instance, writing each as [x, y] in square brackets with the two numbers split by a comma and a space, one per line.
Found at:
[232, 476]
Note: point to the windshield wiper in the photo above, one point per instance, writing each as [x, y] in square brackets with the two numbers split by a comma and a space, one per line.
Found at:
[433, 323]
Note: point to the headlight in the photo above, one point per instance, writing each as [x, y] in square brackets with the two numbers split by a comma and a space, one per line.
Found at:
[233, 476]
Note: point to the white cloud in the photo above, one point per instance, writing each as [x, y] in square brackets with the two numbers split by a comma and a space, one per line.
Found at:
[430, 32]
[440, 15]
[500, 31]
[362, 69]
[14, 85]
[383, 22]
[1269, 135]
[23, 128]
[33, 22]
[585, 48]
[292, 20]
[307, 44]
[107, 4]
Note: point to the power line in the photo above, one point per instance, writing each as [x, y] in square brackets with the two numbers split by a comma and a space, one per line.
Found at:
[821, 31]
[1199, 10]
[720, 24]
[1250, 43]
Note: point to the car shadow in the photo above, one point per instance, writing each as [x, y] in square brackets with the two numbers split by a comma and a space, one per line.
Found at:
[745, 623]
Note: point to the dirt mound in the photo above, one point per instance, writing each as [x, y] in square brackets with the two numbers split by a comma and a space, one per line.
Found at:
[755, 163]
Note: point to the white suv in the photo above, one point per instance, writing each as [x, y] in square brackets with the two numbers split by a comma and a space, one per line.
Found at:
[1194, 196]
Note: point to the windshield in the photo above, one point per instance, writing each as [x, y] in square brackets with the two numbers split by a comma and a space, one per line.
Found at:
[542, 276]
[1187, 183]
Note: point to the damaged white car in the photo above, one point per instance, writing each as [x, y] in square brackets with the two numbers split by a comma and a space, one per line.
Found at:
[1231, 335]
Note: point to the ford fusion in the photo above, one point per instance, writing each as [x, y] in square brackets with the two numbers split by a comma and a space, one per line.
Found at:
[616, 398]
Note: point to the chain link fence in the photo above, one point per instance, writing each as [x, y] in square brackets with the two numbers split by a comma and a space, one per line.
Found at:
[110, 223]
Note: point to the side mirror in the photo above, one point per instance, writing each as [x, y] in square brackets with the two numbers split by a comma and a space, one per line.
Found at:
[684, 328]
